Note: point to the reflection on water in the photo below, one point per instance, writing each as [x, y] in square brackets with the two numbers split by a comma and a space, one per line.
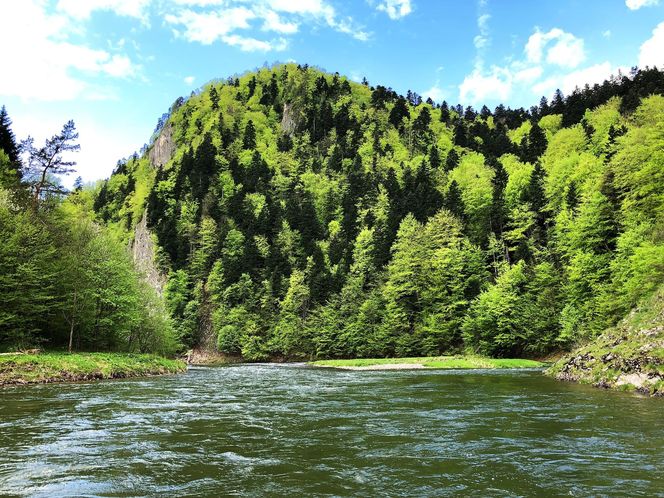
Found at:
[275, 430]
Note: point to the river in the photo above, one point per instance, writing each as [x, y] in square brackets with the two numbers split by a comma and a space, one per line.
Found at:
[268, 430]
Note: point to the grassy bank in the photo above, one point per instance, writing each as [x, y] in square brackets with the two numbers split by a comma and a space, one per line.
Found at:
[63, 367]
[629, 356]
[440, 362]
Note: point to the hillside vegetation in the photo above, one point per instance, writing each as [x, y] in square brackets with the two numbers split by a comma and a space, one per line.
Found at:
[628, 356]
[298, 214]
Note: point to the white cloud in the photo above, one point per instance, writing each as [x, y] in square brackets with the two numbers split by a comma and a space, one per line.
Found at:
[82, 9]
[637, 4]
[482, 40]
[528, 75]
[119, 66]
[189, 80]
[607, 33]
[550, 61]
[395, 9]
[590, 75]
[208, 21]
[651, 52]
[272, 22]
[477, 87]
[247, 44]
[49, 66]
[435, 93]
[566, 51]
[207, 27]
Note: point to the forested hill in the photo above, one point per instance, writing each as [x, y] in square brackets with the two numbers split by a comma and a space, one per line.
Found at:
[299, 214]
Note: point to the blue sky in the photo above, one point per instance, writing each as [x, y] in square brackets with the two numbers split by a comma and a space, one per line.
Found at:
[114, 66]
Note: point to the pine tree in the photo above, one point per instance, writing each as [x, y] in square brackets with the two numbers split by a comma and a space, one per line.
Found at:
[434, 157]
[452, 160]
[398, 112]
[444, 113]
[48, 160]
[454, 201]
[498, 209]
[214, 98]
[249, 140]
[537, 142]
[7, 139]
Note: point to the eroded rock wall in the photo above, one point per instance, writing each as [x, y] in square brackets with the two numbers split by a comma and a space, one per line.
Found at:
[163, 148]
[143, 252]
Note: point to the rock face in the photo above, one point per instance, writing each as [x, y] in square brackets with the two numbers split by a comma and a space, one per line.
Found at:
[629, 356]
[163, 148]
[289, 119]
[142, 250]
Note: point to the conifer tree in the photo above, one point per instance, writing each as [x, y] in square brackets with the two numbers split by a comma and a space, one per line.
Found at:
[7, 138]
[249, 140]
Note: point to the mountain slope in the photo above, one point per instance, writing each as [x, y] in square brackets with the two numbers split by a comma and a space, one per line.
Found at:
[627, 356]
[297, 214]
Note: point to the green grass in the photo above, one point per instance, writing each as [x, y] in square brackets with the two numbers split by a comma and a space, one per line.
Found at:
[458, 362]
[63, 367]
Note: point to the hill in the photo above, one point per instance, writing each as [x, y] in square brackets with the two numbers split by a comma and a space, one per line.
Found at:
[293, 213]
[627, 356]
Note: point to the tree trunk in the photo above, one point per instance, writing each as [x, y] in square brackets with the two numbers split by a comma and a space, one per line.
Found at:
[71, 324]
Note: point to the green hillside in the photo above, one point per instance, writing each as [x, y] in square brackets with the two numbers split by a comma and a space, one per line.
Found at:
[298, 214]
[291, 213]
[628, 356]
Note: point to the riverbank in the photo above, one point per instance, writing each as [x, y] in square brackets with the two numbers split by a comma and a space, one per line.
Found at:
[629, 356]
[45, 368]
[460, 362]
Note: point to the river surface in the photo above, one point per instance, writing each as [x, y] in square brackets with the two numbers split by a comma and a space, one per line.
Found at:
[267, 430]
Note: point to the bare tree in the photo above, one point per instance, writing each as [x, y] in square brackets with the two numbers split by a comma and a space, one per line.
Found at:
[48, 160]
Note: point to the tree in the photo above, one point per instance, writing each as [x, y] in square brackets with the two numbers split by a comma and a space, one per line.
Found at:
[398, 112]
[214, 98]
[50, 160]
[249, 140]
[452, 160]
[7, 138]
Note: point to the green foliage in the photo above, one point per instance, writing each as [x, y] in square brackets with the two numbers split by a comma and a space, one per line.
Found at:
[64, 277]
[302, 215]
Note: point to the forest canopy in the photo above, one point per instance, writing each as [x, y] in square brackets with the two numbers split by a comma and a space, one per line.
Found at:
[302, 215]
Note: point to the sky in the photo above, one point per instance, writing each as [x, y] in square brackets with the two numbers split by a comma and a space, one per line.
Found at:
[114, 66]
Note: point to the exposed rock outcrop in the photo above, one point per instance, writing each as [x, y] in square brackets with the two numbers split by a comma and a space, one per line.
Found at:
[289, 121]
[628, 356]
[163, 148]
[143, 252]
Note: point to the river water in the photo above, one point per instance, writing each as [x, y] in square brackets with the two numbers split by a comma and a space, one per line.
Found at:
[267, 430]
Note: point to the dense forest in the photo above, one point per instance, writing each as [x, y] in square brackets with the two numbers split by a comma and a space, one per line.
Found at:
[66, 281]
[297, 214]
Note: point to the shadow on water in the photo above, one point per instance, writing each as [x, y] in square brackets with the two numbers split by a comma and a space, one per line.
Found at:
[287, 429]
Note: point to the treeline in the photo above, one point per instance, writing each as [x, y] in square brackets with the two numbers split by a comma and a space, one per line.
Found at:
[304, 215]
[65, 281]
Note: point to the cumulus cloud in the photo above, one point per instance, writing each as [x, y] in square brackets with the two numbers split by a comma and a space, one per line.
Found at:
[208, 21]
[207, 27]
[551, 60]
[272, 22]
[82, 9]
[435, 93]
[478, 87]
[189, 80]
[651, 52]
[557, 46]
[568, 82]
[395, 9]
[49, 65]
[637, 4]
